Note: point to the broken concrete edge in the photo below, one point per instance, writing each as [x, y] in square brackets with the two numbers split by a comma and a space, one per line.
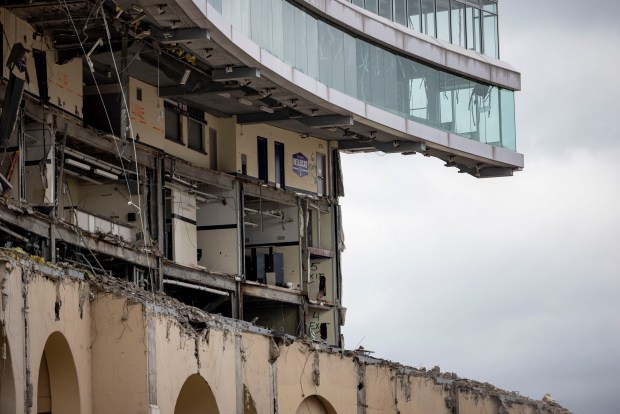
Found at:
[197, 323]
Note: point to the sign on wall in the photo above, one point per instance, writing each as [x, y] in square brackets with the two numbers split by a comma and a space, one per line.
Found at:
[300, 164]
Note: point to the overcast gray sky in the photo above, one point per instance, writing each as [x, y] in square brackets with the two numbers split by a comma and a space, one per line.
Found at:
[513, 281]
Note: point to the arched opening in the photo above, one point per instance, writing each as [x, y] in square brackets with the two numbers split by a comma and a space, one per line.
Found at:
[7, 382]
[196, 397]
[248, 402]
[57, 390]
[315, 404]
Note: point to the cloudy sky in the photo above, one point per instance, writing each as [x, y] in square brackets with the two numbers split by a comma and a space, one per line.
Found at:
[513, 281]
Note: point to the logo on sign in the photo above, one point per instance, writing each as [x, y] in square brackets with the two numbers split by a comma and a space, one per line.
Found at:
[300, 164]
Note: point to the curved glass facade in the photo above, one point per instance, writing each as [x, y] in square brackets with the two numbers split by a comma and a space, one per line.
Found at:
[470, 24]
[375, 75]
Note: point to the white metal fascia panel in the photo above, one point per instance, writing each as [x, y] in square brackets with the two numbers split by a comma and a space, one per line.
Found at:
[470, 146]
[343, 100]
[276, 65]
[345, 14]
[380, 30]
[501, 77]
[470, 66]
[212, 16]
[304, 81]
[427, 133]
[423, 47]
[322, 91]
[246, 44]
[385, 118]
[508, 157]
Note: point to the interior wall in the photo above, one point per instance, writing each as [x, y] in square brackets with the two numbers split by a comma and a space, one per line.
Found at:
[147, 116]
[293, 143]
[217, 236]
[279, 317]
[184, 236]
[273, 229]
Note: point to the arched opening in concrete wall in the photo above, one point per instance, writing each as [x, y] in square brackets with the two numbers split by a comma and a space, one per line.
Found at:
[315, 404]
[196, 397]
[248, 402]
[58, 390]
[7, 381]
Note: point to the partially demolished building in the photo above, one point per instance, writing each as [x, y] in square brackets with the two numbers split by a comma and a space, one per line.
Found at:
[170, 179]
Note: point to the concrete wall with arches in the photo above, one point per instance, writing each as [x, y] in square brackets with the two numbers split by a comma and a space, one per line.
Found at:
[89, 344]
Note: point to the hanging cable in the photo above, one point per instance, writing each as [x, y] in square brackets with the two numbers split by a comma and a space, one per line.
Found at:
[63, 4]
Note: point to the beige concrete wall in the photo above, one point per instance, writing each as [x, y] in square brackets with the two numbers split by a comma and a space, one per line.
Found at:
[295, 379]
[119, 357]
[130, 355]
[256, 366]
[55, 310]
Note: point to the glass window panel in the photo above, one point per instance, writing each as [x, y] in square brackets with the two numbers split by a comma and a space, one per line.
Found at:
[337, 57]
[227, 10]
[443, 20]
[195, 138]
[404, 74]
[458, 24]
[217, 5]
[325, 54]
[473, 29]
[288, 19]
[462, 113]
[400, 12]
[301, 52]
[312, 32]
[372, 6]
[507, 113]
[266, 25]
[390, 82]
[256, 21]
[446, 91]
[358, 3]
[235, 14]
[363, 70]
[413, 15]
[244, 14]
[489, 6]
[418, 101]
[432, 96]
[277, 29]
[385, 9]
[377, 77]
[489, 118]
[350, 66]
[490, 35]
[428, 17]
[172, 124]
